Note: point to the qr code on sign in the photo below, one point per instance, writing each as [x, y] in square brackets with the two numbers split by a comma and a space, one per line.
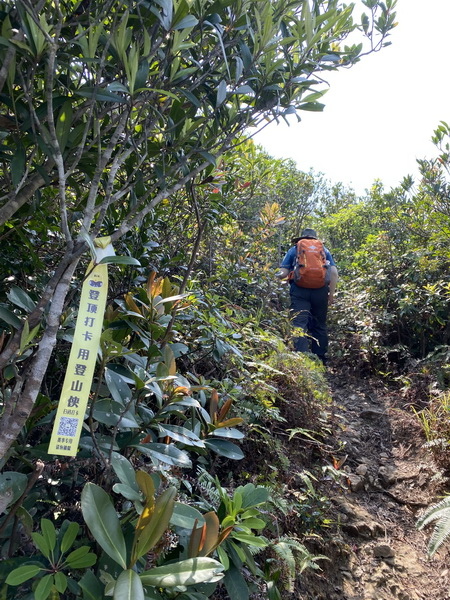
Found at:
[67, 426]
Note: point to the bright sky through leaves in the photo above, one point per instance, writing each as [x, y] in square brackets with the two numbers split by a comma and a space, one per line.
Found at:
[379, 115]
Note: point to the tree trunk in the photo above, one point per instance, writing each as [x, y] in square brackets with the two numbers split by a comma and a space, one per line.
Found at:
[19, 407]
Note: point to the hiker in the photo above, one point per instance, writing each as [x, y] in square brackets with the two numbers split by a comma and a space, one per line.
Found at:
[313, 283]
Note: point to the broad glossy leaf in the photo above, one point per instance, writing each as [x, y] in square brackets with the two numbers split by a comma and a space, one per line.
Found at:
[91, 586]
[236, 585]
[245, 89]
[187, 21]
[221, 92]
[101, 518]
[254, 523]
[43, 588]
[81, 557]
[253, 495]
[191, 571]
[42, 544]
[208, 156]
[186, 516]
[69, 536]
[166, 453]
[10, 318]
[117, 386]
[181, 434]
[129, 586]
[147, 486]
[229, 432]
[26, 520]
[124, 470]
[21, 298]
[100, 95]
[225, 448]
[126, 491]
[49, 533]
[64, 124]
[15, 483]
[249, 539]
[181, 404]
[22, 574]
[120, 260]
[112, 413]
[18, 165]
[312, 106]
[60, 582]
[212, 533]
[153, 522]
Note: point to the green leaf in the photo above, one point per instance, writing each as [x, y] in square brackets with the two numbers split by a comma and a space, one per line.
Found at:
[312, 106]
[18, 165]
[225, 448]
[228, 432]
[254, 523]
[208, 156]
[249, 539]
[124, 470]
[91, 586]
[119, 260]
[186, 516]
[236, 585]
[112, 413]
[60, 582]
[12, 486]
[26, 519]
[153, 528]
[21, 298]
[42, 544]
[129, 586]
[64, 123]
[81, 557]
[49, 533]
[22, 574]
[253, 495]
[43, 588]
[181, 434]
[100, 95]
[118, 387]
[186, 22]
[186, 572]
[101, 518]
[166, 453]
[10, 318]
[221, 92]
[124, 490]
[69, 536]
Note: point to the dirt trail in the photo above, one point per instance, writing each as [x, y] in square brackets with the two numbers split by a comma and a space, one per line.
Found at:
[376, 551]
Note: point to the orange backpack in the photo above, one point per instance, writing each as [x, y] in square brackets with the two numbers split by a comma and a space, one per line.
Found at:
[311, 268]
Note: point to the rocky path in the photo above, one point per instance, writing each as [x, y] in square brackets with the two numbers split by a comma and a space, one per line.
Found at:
[375, 549]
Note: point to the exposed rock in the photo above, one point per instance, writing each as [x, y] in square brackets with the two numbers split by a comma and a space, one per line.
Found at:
[387, 475]
[361, 470]
[383, 551]
[356, 483]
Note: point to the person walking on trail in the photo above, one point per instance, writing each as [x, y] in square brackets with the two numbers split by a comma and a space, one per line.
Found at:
[313, 276]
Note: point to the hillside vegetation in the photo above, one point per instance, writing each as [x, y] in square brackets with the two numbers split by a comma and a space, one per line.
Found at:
[195, 475]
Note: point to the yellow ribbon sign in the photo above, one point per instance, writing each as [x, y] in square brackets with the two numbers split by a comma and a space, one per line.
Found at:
[83, 354]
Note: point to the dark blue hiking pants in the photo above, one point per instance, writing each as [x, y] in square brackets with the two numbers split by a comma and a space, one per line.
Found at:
[309, 312]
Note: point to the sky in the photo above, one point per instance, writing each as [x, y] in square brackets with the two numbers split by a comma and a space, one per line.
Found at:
[379, 115]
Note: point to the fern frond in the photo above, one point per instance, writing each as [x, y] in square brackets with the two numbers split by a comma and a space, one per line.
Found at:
[440, 513]
[434, 512]
[440, 534]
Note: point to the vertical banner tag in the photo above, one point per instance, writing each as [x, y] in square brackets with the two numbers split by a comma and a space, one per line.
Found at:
[83, 355]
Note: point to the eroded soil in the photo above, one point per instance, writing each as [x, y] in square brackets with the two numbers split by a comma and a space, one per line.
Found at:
[376, 551]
